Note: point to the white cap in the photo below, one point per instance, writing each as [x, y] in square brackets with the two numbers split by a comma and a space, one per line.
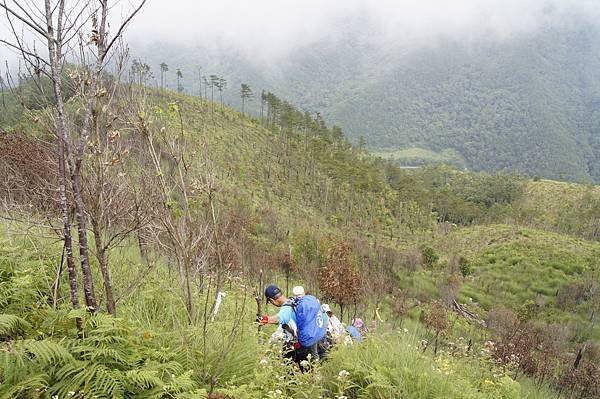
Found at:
[298, 290]
[325, 307]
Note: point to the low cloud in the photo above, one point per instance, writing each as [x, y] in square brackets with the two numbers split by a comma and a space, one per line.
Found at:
[269, 30]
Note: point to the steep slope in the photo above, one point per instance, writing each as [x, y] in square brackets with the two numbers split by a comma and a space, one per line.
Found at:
[285, 192]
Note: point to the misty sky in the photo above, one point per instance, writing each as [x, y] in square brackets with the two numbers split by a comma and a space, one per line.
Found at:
[269, 29]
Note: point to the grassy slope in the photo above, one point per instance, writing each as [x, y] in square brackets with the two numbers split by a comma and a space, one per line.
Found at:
[513, 265]
[308, 180]
[251, 168]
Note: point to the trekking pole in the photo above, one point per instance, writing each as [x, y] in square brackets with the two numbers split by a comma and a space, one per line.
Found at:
[258, 297]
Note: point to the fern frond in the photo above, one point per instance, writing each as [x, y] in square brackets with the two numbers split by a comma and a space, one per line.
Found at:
[11, 325]
[117, 356]
[93, 380]
[6, 292]
[181, 383]
[107, 383]
[145, 379]
[33, 382]
[49, 353]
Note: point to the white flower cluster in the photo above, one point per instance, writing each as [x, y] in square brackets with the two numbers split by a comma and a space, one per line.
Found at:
[343, 375]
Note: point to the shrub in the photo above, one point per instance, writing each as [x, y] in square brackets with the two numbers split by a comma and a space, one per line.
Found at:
[465, 266]
[338, 279]
[449, 289]
[413, 259]
[429, 256]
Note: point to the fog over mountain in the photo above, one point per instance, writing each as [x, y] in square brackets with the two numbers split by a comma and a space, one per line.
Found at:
[271, 29]
[486, 85]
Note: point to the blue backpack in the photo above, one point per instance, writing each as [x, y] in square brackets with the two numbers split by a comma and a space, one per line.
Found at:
[309, 320]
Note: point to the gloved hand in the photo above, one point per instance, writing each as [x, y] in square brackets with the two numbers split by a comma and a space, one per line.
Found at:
[264, 319]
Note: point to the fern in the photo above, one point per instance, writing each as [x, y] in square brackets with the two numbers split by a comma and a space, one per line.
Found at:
[107, 383]
[144, 379]
[181, 383]
[11, 325]
[24, 387]
[6, 292]
[48, 353]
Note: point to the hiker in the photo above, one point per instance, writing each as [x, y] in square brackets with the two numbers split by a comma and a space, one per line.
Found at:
[306, 314]
[298, 291]
[356, 330]
[360, 325]
[335, 327]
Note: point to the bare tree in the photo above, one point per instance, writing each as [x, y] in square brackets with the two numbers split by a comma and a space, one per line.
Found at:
[71, 30]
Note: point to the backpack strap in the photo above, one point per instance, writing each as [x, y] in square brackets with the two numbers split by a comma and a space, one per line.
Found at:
[289, 330]
[291, 304]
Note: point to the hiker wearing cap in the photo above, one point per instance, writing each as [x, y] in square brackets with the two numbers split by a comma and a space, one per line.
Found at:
[335, 328]
[310, 321]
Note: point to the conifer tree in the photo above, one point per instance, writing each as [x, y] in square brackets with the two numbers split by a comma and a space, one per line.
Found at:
[221, 85]
[179, 77]
[164, 68]
[246, 94]
[213, 82]
[200, 81]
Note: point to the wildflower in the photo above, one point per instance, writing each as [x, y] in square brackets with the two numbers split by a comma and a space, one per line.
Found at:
[264, 362]
[304, 363]
[342, 397]
[71, 393]
[405, 330]
[489, 382]
[278, 392]
[342, 375]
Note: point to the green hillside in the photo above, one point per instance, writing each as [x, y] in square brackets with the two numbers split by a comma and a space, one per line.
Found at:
[527, 103]
[225, 199]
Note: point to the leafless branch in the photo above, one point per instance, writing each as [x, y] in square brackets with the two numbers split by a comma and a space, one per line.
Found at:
[22, 50]
[124, 25]
[30, 24]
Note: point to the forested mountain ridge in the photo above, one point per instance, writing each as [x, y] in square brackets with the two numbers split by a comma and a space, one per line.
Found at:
[527, 103]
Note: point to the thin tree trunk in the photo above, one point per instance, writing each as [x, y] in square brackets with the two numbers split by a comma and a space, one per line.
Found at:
[189, 304]
[55, 57]
[88, 283]
[103, 263]
[217, 243]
